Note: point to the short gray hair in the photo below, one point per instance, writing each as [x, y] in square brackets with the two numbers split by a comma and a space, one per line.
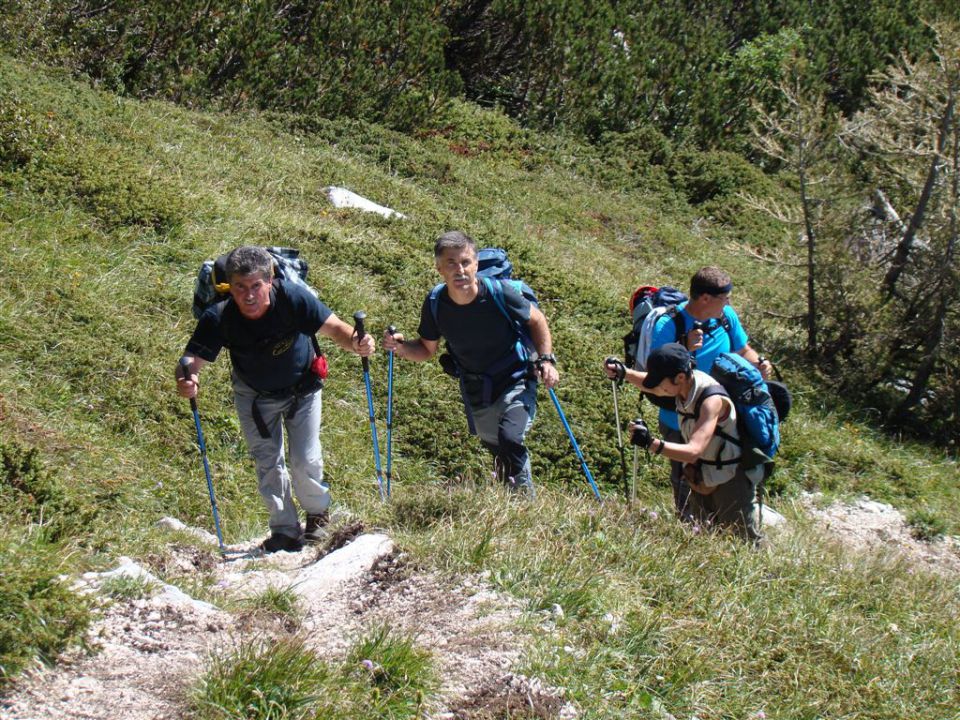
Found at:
[453, 240]
[250, 260]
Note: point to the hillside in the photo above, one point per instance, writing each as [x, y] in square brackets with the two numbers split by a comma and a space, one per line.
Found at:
[110, 205]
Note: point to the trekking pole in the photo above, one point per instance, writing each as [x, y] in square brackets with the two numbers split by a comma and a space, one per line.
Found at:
[573, 442]
[633, 484]
[185, 366]
[614, 383]
[391, 329]
[358, 318]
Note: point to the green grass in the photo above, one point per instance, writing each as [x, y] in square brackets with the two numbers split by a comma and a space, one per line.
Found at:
[281, 603]
[384, 676]
[127, 587]
[107, 209]
[656, 615]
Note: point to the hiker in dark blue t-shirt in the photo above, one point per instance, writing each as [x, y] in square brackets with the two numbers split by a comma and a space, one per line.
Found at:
[268, 326]
[498, 387]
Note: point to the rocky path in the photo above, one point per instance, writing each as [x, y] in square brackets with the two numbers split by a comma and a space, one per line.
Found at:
[149, 651]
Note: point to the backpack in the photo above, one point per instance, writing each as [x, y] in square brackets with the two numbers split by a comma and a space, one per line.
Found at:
[495, 269]
[647, 305]
[211, 287]
[758, 421]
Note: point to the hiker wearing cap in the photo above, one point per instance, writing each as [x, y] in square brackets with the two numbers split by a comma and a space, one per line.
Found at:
[267, 325]
[482, 320]
[706, 325]
[709, 448]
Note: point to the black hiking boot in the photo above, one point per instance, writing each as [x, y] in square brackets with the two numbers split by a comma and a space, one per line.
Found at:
[277, 542]
[314, 532]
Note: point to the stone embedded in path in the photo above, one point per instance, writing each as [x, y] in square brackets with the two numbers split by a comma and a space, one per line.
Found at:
[349, 562]
[168, 594]
[771, 518]
[173, 524]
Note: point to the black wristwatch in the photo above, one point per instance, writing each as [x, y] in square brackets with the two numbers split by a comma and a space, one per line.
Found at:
[546, 357]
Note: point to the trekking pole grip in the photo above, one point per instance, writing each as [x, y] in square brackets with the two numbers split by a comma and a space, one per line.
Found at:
[358, 317]
[185, 367]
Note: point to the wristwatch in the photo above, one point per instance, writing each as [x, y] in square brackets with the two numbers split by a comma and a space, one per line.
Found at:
[547, 357]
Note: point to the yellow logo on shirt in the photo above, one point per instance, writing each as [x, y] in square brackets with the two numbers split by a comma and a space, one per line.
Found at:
[281, 347]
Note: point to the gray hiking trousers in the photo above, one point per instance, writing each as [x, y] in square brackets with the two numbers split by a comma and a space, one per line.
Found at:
[274, 479]
[502, 428]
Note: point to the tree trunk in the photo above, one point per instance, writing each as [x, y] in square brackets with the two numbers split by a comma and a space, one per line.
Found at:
[905, 245]
[947, 286]
[811, 257]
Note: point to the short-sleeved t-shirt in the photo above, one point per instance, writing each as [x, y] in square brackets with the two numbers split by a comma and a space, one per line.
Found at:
[272, 352]
[715, 341]
[478, 335]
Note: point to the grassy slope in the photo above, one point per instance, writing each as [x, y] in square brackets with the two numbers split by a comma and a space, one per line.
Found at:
[102, 231]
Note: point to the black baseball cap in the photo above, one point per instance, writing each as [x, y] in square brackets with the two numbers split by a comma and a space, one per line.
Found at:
[667, 361]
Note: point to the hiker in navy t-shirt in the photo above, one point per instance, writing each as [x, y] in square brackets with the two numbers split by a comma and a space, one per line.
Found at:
[710, 327]
[267, 326]
[498, 388]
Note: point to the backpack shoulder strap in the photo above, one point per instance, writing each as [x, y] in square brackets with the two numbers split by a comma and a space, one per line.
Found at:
[709, 391]
[434, 300]
[495, 289]
[679, 323]
[725, 324]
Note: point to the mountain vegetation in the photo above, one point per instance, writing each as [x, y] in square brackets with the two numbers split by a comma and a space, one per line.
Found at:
[810, 151]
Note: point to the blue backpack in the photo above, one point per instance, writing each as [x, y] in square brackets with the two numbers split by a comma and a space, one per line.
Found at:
[758, 422]
[494, 270]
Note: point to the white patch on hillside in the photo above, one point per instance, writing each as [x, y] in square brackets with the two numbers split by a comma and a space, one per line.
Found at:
[870, 525]
[343, 198]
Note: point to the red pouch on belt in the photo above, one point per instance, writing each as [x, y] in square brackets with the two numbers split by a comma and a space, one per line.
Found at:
[319, 367]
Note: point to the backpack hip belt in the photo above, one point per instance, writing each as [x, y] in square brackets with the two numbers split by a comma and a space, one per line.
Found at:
[306, 385]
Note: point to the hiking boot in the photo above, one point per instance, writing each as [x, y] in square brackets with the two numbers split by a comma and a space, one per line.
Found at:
[277, 542]
[314, 532]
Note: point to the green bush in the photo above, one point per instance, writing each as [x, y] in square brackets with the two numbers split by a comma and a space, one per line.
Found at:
[41, 617]
[926, 525]
[24, 133]
[30, 492]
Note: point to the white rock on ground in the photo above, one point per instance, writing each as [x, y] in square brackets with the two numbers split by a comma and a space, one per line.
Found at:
[173, 524]
[343, 198]
[168, 594]
[332, 571]
[771, 518]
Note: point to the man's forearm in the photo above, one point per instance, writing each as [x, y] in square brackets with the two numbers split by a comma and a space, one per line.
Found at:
[413, 350]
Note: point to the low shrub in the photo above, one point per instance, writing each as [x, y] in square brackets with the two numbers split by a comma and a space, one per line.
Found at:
[41, 617]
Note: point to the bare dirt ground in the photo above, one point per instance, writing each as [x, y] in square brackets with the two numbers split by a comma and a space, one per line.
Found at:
[149, 651]
[869, 525]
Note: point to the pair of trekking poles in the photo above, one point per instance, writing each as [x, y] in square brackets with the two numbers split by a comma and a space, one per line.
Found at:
[359, 318]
